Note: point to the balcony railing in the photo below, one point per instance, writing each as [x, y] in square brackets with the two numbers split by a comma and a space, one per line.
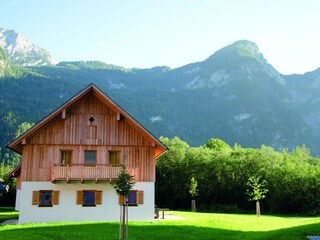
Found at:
[85, 172]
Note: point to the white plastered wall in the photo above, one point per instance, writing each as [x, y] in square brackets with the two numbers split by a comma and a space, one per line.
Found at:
[17, 206]
[67, 210]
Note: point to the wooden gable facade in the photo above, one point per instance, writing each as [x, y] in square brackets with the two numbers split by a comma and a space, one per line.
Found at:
[88, 126]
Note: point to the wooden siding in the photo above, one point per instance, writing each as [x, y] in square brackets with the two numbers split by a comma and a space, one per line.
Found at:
[77, 129]
[76, 132]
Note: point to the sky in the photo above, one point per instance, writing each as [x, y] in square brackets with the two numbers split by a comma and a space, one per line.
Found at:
[145, 34]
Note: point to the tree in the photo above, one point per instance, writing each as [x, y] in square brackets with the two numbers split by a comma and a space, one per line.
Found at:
[171, 172]
[193, 192]
[23, 127]
[256, 191]
[218, 145]
[122, 185]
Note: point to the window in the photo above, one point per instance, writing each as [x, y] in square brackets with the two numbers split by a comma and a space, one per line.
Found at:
[135, 198]
[45, 198]
[66, 157]
[89, 198]
[132, 198]
[90, 157]
[114, 158]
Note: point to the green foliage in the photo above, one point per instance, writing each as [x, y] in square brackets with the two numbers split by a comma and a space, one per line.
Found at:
[8, 198]
[218, 145]
[22, 128]
[193, 188]
[222, 178]
[124, 182]
[256, 189]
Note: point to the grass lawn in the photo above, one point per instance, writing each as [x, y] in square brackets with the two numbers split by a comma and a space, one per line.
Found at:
[196, 226]
[7, 213]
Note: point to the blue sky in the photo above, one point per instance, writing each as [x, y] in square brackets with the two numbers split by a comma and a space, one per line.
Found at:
[145, 34]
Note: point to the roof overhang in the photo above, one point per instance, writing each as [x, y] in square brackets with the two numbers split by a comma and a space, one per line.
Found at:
[15, 172]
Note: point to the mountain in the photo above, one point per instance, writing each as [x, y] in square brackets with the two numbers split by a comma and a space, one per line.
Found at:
[234, 95]
[304, 89]
[7, 69]
[21, 51]
[4, 63]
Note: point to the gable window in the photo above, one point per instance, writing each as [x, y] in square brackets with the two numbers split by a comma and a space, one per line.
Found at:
[45, 198]
[114, 158]
[89, 198]
[90, 157]
[66, 157]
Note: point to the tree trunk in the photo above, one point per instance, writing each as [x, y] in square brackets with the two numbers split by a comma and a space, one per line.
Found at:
[123, 220]
[258, 209]
[193, 205]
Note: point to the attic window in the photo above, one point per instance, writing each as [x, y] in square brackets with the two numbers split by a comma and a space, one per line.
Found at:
[91, 119]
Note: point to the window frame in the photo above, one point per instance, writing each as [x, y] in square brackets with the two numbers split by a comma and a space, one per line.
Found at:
[90, 163]
[36, 198]
[43, 192]
[136, 198]
[61, 156]
[80, 198]
[139, 198]
[93, 204]
[110, 152]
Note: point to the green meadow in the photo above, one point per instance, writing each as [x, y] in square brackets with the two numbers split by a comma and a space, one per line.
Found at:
[191, 226]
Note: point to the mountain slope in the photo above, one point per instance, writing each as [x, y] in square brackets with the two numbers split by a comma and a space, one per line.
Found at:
[305, 91]
[7, 69]
[21, 51]
[234, 95]
[237, 96]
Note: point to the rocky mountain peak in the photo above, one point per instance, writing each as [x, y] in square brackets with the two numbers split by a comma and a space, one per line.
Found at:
[21, 51]
[240, 49]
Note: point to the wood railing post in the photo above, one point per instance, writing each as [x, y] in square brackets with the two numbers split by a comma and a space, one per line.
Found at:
[67, 173]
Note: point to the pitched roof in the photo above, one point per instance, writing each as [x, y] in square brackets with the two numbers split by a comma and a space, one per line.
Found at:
[16, 145]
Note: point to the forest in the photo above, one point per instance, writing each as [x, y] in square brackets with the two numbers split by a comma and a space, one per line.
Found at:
[222, 173]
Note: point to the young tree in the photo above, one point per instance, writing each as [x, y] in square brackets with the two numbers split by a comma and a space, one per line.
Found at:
[257, 191]
[193, 192]
[123, 184]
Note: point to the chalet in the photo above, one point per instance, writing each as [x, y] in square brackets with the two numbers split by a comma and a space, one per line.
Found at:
[70, 157]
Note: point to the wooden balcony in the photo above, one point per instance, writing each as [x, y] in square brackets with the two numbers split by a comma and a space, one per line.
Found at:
[82, 172]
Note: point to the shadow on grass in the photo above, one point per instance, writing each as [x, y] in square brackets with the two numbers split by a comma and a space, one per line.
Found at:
[97, 231]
